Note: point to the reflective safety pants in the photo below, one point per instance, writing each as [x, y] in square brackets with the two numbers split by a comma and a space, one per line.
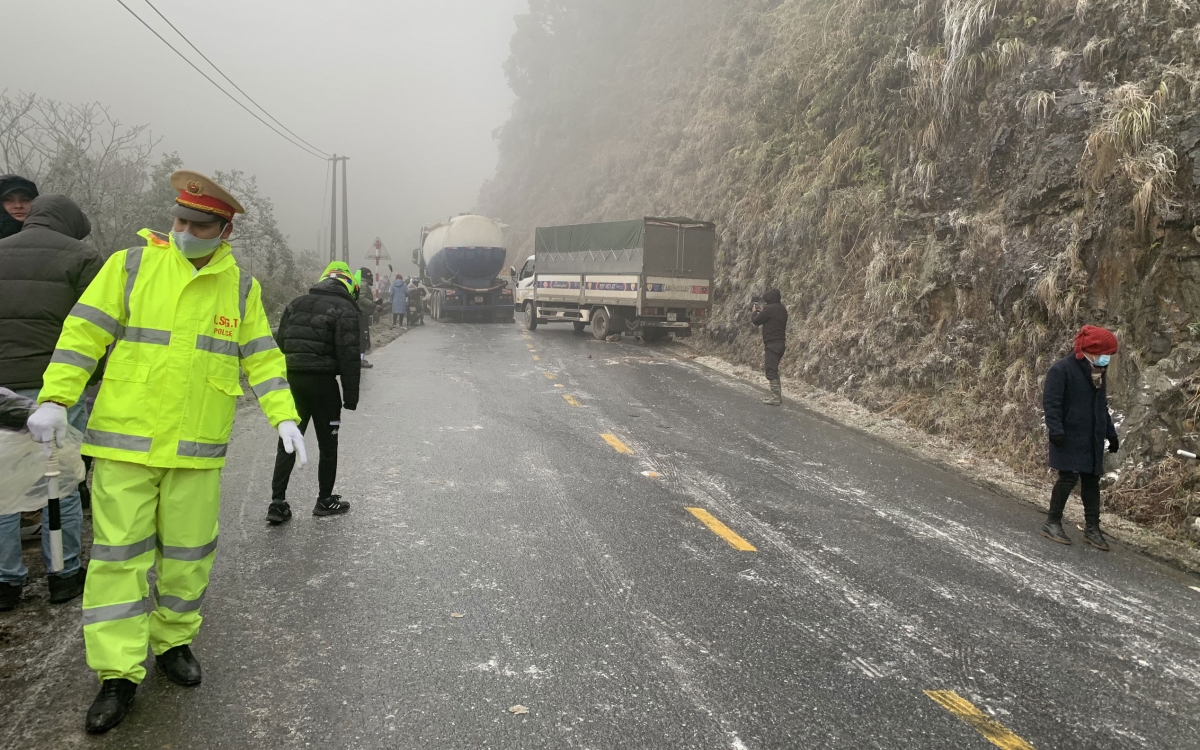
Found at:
[142, 514]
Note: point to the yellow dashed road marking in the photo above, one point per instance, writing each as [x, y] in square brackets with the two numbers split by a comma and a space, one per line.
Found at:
[549, 375]
[570, 399]
[994, 731]
[536, 358]
[722, 530]
[617, 445]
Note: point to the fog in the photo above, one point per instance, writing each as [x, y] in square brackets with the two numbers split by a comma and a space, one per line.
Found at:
[410, 90]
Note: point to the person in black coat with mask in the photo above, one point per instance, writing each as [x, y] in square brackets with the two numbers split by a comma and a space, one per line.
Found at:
[16, 198]
[773, 317]
[319, 336]
[1078, 423]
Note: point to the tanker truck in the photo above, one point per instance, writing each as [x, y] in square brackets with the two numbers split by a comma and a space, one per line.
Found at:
[461, 260]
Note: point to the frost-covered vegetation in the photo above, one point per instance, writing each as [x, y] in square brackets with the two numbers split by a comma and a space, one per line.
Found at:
[945, 190]
[111, 170]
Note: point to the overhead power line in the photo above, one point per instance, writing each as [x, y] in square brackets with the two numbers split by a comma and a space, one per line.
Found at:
[227, 78]
[306, 149]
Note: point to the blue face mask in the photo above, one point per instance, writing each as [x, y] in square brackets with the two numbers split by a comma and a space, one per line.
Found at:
[1103, 360]
[193, 247]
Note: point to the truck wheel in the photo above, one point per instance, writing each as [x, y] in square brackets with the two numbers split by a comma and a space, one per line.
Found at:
[579, 326]
[600, 323]
[653, 335]
[531, 320]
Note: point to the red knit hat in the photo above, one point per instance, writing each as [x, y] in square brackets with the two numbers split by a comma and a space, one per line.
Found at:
[1094, 340]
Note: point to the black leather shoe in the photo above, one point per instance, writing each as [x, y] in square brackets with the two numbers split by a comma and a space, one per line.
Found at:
[1054, 532]
[110, 705]
[279, 513]
[180, 666]
[331, 506]
[1093, 536]
[65, 588]
[10, 596]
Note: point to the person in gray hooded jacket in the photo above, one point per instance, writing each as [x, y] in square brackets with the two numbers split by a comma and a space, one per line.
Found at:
[44, 269]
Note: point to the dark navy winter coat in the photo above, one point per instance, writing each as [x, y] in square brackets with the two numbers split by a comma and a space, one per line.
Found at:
[1077, 411]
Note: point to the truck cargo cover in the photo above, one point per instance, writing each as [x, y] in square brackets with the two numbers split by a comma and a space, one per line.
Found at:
[614, 246]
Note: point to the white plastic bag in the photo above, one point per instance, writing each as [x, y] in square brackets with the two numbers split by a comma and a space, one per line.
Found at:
[23, 483]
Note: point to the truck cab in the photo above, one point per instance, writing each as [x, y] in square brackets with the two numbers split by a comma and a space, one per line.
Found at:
[523, 281]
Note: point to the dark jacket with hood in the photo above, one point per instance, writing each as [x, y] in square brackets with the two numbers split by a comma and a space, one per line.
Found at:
[44, 269]
[1077, 412]
[773, 318]
[8, 225]
[319, 333]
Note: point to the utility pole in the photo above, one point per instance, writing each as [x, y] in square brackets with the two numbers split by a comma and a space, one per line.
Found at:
[333, 251]
[345, 215]
[333, 214]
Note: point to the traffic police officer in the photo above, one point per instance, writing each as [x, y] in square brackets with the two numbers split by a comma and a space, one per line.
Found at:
[183, 316]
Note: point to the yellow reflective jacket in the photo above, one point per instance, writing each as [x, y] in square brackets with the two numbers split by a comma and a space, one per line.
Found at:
[171, 383]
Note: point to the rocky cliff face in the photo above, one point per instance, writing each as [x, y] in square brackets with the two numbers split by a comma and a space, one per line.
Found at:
[944, 190]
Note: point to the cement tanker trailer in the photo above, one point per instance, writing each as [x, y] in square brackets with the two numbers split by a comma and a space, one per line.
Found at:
[461, 261]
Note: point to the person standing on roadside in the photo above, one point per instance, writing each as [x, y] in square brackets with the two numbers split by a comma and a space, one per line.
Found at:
[1078, 423]
[183, 319]
[773, 317]
[399, 301]
[366, 307]
[16, 198]
[44, 270]
[319, 337]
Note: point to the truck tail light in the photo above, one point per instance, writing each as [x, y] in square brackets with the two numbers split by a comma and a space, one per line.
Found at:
[653, 311]
[699, 312]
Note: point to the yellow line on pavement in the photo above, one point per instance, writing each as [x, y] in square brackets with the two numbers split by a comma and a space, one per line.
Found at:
[722, 530]
[559, 385]
[549, 375]
[536, 358]
[570, 399]
[529, 345]
[617, 445]
[994, 731]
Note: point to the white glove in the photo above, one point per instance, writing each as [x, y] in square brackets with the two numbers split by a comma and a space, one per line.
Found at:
[293, 440]
[48, 423]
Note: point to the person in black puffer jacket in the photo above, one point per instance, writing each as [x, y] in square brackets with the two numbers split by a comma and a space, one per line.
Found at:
[319, 336]
[773, 318]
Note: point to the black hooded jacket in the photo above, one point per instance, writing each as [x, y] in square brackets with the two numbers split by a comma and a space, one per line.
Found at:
[319, 333]
[8, 225]
[773, 318]
[44, 269]
[1077, 411]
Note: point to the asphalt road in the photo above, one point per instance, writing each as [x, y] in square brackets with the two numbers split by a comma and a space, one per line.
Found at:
[483, 486]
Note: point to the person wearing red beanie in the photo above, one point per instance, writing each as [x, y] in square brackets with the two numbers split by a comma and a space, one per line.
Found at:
[1078, 423]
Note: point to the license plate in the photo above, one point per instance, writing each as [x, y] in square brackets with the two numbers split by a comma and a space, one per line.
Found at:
[479, 300]
[670, 317]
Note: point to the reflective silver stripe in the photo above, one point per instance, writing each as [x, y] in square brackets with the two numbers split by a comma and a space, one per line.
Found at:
[265, 387]
[216, 346]
[133, 262]
[135, 335]
[98, 318]
[102, 439]
[179, 604]
[201, 450]
[75, 359]
[257, 346]
[123, 552]
[110, 612]
[245, 282]
[187, 554]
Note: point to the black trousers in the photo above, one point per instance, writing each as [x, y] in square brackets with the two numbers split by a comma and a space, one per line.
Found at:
[1062, 491]
[772, 354]
[397, 318]
[318, 399]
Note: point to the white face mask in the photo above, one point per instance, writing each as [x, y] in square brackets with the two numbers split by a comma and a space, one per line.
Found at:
[193, 247]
